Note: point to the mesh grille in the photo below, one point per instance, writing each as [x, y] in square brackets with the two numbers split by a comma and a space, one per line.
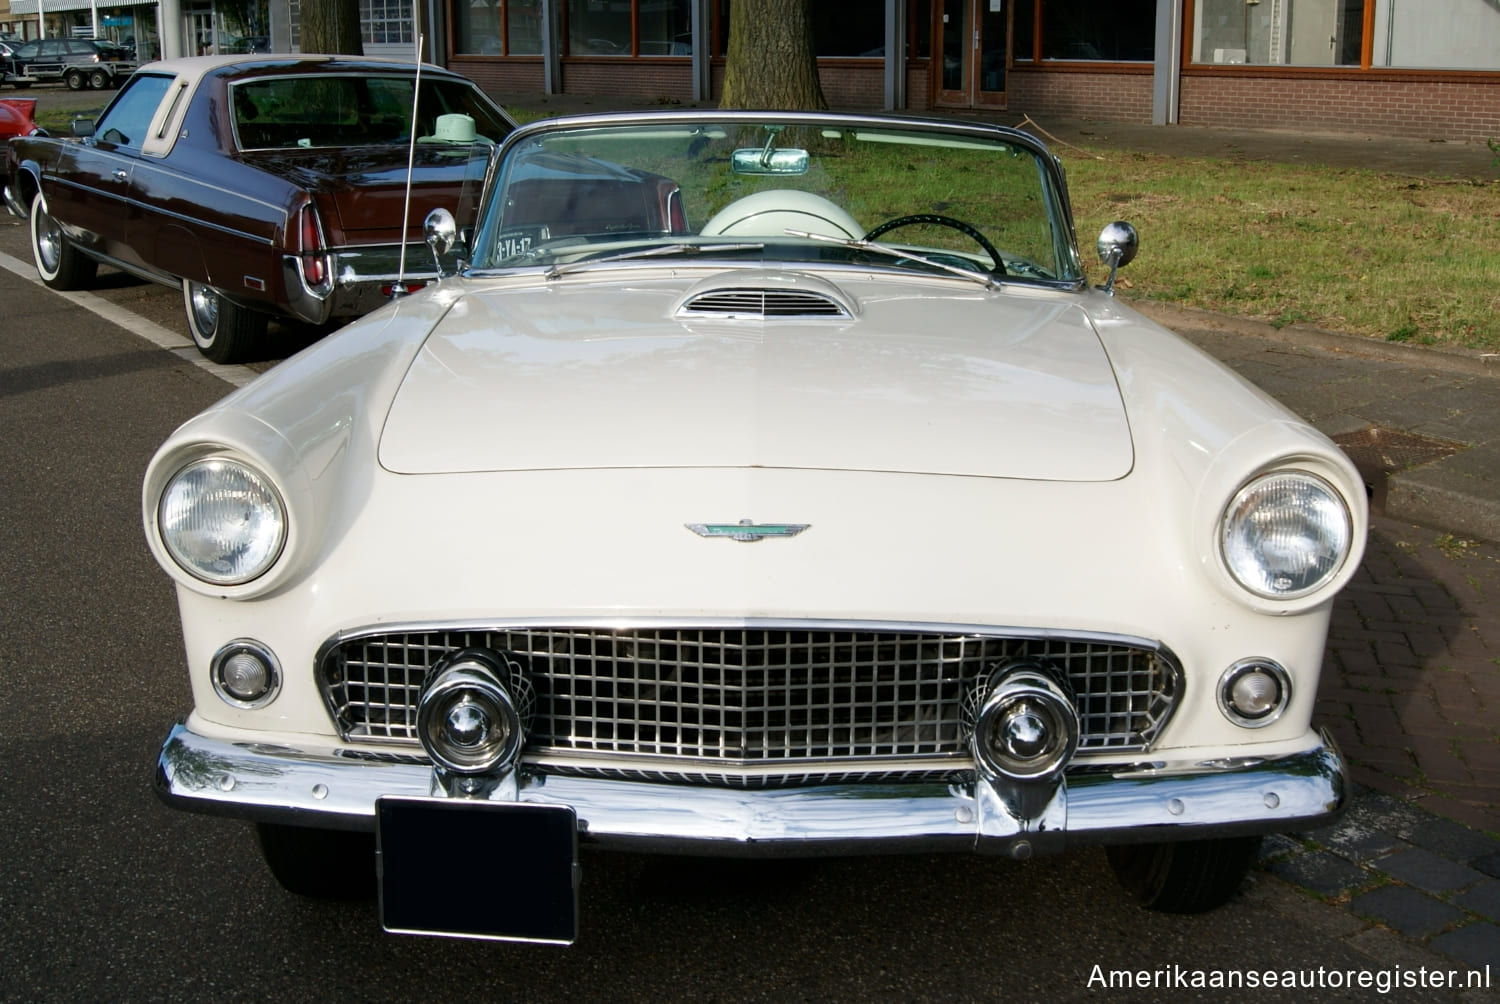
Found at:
[763, 303]
[752, 696]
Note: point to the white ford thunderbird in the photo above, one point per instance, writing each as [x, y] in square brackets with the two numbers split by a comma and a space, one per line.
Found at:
[763, 483]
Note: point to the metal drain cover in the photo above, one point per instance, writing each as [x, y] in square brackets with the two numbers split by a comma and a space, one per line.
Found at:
[1392, 450]
[1378, 453]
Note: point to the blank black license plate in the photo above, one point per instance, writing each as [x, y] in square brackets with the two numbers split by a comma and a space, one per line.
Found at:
[503, 871]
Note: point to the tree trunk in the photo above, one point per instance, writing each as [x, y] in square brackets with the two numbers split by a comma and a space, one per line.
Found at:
[772, 62]
[331, 26]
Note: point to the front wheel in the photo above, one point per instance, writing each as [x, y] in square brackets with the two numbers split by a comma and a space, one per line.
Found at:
[99, 80]
[58, 262]
[223, 331]
[319, 864]
[1189, 876]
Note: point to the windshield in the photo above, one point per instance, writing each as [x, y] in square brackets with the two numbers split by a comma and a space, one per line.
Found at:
[960, 199]
[357, 109]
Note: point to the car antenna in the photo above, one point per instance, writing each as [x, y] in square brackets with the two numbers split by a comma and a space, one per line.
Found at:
[398, 288]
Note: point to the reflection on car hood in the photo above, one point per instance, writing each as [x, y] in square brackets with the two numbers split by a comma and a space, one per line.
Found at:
[361, 191]
[918, 378]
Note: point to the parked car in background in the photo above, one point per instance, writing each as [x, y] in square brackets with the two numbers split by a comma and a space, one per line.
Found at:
[768, 484]
[77, 62]
[251, 43]
[18, 118]
[263, 186]
[7, 48]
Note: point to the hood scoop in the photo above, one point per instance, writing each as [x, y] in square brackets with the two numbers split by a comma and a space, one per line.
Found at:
[765, 296]
[761, 305]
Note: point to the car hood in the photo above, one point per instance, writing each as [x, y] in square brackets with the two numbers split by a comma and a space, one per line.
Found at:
[361, 191]
[917, 376]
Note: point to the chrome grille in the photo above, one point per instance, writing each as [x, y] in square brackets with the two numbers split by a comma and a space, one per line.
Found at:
[714, 698]
[763, 303]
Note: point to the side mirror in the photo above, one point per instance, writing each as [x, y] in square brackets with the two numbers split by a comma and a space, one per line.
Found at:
[83, 128]
[1117, 245]
[440, 231]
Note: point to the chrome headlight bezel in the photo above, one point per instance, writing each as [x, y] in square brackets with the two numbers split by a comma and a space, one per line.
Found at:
[236, 554]
[219, 673]
[1304, 517]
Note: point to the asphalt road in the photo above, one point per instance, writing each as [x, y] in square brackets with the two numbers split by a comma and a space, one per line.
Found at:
[106, 894]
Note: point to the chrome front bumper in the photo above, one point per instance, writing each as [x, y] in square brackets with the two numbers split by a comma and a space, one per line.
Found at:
[1166, 800]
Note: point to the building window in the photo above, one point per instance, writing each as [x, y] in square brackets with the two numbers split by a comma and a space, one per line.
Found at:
[665, 28]
[497, 27]
[1279, 32]
[1110, 30]
[381, 22]
[1432, 35]
[1437, 35]
[1023, 31]
[598, 27]
[607, 27]
[523, 27]
[850, 28]
[385, 22]
[1114, 31]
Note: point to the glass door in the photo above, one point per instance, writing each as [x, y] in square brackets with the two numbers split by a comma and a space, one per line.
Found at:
[975, 50]
[200, 32]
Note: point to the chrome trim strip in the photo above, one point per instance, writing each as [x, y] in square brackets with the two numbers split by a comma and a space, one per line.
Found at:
[194, 221]
[564, 761]
[746, 623]
[1163, 800]
[381, 263]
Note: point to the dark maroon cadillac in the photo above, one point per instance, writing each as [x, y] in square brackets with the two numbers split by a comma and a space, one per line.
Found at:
[263, 186]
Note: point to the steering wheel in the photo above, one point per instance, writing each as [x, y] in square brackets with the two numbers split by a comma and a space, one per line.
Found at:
[967, 229]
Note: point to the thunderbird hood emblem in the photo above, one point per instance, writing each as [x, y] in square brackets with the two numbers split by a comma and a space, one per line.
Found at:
[747, 531]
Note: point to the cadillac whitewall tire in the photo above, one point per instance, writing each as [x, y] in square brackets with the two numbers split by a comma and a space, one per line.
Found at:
[58, 262]
[223, 331]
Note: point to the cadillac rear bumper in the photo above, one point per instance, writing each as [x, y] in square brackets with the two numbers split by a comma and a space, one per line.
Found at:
[1166, 800]
[363, 278]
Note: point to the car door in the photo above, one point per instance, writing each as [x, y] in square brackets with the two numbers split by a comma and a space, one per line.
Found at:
[47, 64]
[91, 193]
[204, 213]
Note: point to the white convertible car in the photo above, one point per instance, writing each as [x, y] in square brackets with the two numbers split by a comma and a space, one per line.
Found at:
[764, 483]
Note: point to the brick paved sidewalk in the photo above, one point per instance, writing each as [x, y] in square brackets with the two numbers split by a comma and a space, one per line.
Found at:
[1411, 690]
[1411, 678]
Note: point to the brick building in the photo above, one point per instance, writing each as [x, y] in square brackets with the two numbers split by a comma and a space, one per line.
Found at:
[1399, 67]
[1430, 67]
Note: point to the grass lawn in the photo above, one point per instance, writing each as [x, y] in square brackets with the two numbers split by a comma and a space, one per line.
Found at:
[1387, 256]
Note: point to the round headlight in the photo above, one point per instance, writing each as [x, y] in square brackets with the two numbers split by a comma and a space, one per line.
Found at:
[1286, 534]
[222, 521]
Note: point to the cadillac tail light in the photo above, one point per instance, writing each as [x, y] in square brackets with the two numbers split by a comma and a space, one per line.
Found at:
[313, 254]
